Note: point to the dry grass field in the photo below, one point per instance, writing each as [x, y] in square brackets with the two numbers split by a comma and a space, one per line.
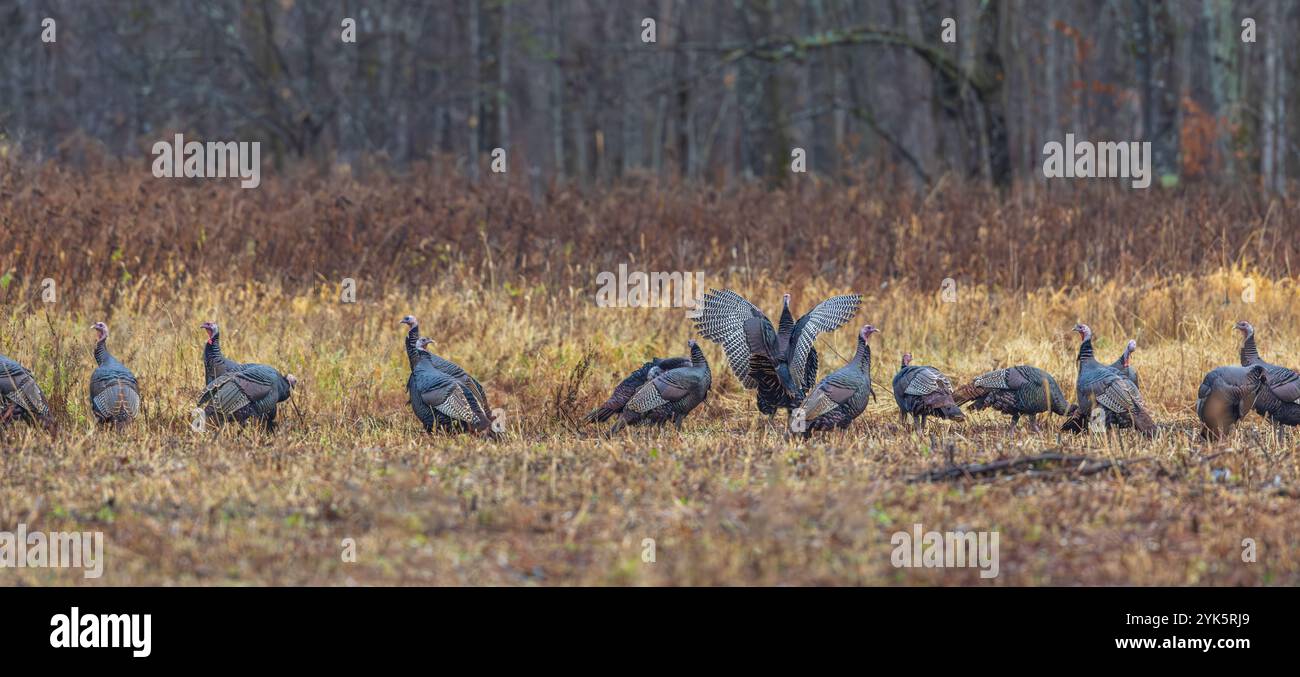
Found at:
[508, 290]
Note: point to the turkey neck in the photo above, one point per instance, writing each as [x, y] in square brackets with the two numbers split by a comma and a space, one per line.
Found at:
[101, 352]
[212, 349]
[698, 360]
[1249, 353]
[785, 329]
[862, 357]
[413, 353]
[1085, 353]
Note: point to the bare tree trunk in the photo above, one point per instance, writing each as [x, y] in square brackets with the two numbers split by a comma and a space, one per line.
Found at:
[1154, 41]
[989, 80]
[1219, 41]
[1273, 118]
[503, 79]
[1053, 88]
[557, 88]
[475, 86]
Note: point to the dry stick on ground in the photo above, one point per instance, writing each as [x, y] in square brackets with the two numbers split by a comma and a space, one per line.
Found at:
[1070, 465]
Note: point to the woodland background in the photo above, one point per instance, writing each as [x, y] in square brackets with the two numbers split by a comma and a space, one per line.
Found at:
[730, 86]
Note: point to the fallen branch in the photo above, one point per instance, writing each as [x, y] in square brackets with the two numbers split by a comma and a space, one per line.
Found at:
[1051, 463]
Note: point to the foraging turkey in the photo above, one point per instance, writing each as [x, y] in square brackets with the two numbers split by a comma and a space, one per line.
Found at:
[781, 366]
[1124, 365]
[450, 403]
[1015, 391]
[417, 349]
[1279, 400]
[21, 397]
[669, 396]
[114, 393]
[214, 361]
[1226, 395]
[239, 392]
[1099, 384]
[842, 396]
[628, 387]
[923, 392]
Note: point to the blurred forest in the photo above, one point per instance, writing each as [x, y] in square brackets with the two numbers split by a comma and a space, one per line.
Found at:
[725, 92]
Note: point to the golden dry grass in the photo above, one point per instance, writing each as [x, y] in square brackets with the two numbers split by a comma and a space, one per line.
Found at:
[726, 504]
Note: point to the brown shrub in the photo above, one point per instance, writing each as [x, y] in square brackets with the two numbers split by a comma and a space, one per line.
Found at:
[109, 225]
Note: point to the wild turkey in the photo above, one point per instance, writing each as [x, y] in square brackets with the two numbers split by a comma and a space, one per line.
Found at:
[1279, 401]
[1099, 384]
[829, 315]
[628, 387]
[417, 348]
[214, 362]
[752, 346]
[440, 400]
[1124, 365]
[1226, 395]
[1016, 391]
[21, 397]
[240, 392]
[669, 396]
[843, 395]
[114, 393]
[923, 392]
[781, 366]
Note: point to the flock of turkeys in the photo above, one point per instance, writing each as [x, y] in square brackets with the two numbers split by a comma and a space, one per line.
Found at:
[780, 363]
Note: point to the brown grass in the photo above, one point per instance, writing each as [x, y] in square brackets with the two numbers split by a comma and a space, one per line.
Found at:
[103, 228]
[725, 503]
